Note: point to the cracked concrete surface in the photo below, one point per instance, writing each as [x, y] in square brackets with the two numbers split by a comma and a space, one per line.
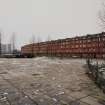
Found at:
[46, 81]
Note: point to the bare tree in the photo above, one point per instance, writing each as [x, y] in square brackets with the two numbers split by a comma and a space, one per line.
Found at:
[33, 42]
[102, 16]
[48, 38]
[38, 42]
[39, 39]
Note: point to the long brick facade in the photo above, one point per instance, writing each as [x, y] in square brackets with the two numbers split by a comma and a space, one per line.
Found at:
[81, 46]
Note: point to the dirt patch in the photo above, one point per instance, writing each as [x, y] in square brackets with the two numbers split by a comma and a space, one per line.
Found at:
[4, 72]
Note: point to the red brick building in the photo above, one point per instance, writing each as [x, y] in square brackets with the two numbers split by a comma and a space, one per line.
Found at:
[81, 46]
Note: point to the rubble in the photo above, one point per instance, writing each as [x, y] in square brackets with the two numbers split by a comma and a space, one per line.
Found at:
[3, 98]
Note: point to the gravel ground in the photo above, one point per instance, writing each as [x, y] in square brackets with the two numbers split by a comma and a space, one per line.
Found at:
[47, 81]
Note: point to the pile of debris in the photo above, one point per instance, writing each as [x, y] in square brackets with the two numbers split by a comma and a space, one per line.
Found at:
[97, 72]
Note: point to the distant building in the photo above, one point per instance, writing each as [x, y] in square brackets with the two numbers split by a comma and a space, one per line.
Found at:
[9, 49]
[5, 48]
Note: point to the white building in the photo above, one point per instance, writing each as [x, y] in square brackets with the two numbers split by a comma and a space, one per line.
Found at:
[6, 48]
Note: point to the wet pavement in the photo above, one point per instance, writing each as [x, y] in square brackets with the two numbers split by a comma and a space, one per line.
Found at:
[46, 81]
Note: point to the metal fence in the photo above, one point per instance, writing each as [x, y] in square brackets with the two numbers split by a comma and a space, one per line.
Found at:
[96, 71]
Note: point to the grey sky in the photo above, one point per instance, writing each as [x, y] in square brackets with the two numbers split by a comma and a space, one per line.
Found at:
[56, 18]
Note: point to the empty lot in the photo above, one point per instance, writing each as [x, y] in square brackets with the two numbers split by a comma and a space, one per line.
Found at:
[46, 81]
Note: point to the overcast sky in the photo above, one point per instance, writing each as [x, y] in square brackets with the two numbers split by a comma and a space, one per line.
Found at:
[56, 18]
